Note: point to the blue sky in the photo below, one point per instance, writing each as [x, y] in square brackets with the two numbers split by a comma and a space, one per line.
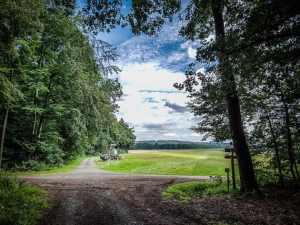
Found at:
[150, 66]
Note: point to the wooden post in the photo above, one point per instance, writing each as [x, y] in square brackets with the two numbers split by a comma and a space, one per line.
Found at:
[227, 171]
[232, 169]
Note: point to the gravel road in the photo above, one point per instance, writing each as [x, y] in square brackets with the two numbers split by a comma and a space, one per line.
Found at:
[91, 196]
[88, 195]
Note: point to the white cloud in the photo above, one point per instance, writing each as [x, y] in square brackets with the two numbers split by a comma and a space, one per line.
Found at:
[175, 57]
[148, 76]
[150, 66]
[171, 135]
[210, 38]
[192, 52]
[147, 88]
[200, 70]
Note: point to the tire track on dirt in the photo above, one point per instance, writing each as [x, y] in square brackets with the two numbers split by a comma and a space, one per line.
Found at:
[89, 196]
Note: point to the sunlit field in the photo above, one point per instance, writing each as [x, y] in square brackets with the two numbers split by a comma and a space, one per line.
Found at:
[170, 162]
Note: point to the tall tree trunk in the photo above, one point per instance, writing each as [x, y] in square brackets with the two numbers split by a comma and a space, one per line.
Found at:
[289, 139]
[35, 126]
[33, 135]
[276, 151]
[247, 176]
[3, 135]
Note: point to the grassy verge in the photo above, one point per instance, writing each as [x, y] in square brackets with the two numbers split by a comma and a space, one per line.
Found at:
[171, 162]
[70, 165]
[184, 192]
[20, 204]
[64, 168]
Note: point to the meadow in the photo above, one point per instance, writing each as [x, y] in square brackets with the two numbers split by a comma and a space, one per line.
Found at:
[199, 162]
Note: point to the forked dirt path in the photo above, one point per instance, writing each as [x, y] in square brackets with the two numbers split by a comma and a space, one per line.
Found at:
[90, 196]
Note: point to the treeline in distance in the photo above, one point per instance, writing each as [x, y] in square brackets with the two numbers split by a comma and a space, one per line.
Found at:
[151, 145]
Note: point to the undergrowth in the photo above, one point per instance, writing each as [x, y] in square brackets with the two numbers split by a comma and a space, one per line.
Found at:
[184, 192]
[46, 169]
[20, 204]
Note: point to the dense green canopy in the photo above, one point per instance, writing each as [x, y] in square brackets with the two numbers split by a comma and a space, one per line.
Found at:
[57, 101]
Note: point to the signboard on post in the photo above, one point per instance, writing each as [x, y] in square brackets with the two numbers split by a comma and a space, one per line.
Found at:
[231, 156]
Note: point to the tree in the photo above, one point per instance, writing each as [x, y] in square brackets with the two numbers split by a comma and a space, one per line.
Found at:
[266, 60]
[126, 138]
[19, 20]
[201, 18]
[61, 76]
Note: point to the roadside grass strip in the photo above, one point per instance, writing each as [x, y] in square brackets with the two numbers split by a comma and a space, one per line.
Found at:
[63, 168]
[184, 192]
[20, 204]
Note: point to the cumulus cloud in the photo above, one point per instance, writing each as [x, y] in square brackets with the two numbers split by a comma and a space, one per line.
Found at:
[150, 66]
[177, 108]
[150, 100]
[159, 126]
[192, 52]
[170, 135]
[166, 49]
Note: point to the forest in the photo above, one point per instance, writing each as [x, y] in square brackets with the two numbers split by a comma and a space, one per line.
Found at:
[174, 144]
[57, 101]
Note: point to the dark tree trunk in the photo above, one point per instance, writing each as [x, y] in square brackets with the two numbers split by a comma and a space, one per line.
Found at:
[247, 176]
[3, 135]
[289, 139]
[276, 152]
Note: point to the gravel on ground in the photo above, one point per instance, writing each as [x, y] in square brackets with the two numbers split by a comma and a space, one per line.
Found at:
[91, 196]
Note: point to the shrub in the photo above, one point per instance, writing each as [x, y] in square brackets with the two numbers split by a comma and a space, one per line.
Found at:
[30, 165]
[20, 204]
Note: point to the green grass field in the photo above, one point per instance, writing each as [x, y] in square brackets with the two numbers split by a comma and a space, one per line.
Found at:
[171, 162]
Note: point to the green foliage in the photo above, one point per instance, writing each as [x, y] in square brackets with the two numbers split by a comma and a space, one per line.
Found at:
[55, 87]
[19, 203]
[62, 168]
[50, 169]
[187, 190]
[30, 165]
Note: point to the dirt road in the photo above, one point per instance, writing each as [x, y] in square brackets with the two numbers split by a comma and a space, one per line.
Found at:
[90, 196]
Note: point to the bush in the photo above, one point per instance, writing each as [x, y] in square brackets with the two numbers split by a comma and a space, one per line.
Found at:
[30, 165]
[20, 204]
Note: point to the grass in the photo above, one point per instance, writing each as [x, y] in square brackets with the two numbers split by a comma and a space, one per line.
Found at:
[202, 162]
[64, 168]
[70, 165]
[171, 162]
[184, 192]
[20, 204]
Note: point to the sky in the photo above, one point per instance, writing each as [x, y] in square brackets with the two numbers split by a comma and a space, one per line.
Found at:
[150, 66]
